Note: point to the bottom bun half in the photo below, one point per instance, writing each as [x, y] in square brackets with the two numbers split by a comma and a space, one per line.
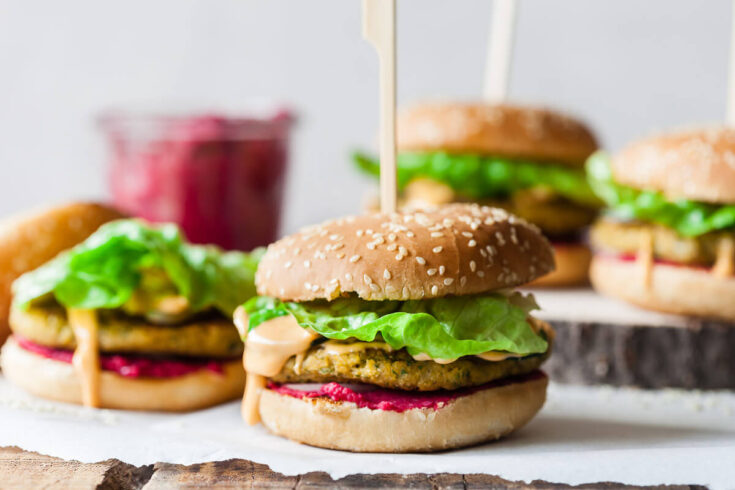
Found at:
[485, 415]
[572, 266]
[58, 381]
[670, 288]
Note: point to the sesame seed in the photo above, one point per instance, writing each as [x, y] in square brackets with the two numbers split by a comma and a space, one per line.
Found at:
[473, 265]
[288, 264]
[471, 243]
[431, 271]
[386, 274]
[392, 237]
[348, 276]
[480, 274]
[341, 255]
[333, 280]
[467, 234]
[269, 274]
[314, 287]
[307, 285]
[389, 288]
[297, 250]
[410, 234]
[367, 279]
[441, 270]
[448, 281]
[513, 236]
[436, 234]
[374, 287]
[360, 232]
[463, 281]
[438, 249]
[392, 247]
[370, 245]
[402, 250]
[307, 264]
[421, 260]
[434, 290]
[399, 257]
[337, 246]
[354, 258]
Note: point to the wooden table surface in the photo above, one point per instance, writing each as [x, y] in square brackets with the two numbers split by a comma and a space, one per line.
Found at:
[21, 470]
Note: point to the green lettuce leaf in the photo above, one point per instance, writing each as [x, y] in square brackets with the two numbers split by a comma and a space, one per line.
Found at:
[478, 177]
[105, 270]
[688, 218]
[443, 328]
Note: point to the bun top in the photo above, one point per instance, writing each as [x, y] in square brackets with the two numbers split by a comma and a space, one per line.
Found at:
[454, 250]
[697, 164]
[495, 130]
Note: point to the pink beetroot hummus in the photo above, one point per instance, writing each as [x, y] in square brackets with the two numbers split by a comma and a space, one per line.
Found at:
[392, 400]
[130, 366]
[633, 258]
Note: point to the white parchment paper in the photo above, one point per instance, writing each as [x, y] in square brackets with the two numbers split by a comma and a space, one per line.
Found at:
[583, 435]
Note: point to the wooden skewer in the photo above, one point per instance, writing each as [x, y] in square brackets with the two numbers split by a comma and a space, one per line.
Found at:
[379, 28]
[730, 116]
[499, 51]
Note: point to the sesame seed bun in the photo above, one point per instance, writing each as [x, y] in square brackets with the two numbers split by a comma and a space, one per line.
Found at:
[454, 250]
[495, 130]
[697, 164]
[485, 415]
[32, 239]
[572, 266]
[59, 381]
[673, 289]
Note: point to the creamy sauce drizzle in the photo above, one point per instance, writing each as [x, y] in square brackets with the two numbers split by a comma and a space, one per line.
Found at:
[644, 258]
[336, 347]
[86, 360]
[725, 264]
[267, 348]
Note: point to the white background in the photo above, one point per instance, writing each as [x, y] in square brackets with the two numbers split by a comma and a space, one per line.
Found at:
[628, 67]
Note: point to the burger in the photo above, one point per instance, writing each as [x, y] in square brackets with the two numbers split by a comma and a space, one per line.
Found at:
[134, 317]
[527, 160]
[29, 240]
[398, 332]
[667, 238]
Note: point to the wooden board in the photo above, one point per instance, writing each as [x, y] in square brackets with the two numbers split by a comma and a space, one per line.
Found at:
[22, 470]
[604, 341]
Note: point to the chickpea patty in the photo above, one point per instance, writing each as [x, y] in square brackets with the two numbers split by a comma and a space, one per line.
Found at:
[398, 370]
[210, 335]
[625, 238]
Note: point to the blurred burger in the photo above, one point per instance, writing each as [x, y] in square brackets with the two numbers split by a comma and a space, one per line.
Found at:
[33, 238]
[667, 238]
[526, 160]
[132, 318]
[396, 333]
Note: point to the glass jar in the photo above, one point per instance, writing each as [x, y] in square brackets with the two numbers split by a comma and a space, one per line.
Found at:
[220, 178]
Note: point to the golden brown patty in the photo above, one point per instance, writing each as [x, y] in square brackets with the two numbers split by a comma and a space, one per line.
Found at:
[625, 238]
[398, 370]
[554, 214]
[210, 336]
